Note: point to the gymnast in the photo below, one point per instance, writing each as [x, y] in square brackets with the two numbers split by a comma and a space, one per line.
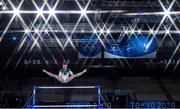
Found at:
[65, 74]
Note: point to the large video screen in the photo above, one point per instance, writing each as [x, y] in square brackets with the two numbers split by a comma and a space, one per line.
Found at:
[131, 47]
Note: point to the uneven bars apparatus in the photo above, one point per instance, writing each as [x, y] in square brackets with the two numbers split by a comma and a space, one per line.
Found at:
[66, 87]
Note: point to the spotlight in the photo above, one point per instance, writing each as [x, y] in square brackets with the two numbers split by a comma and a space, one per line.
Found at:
[82, 31]
[132, 31]
[27, 31]
[139, 31]
[108, 31]
[83, 12]
[1, 3]
[166, 13]
[46, 31]
[36, 30]
[40, 12]
[151, 31]
[16, 12]
[52, 12]
[94, 31]
[101, 31]
[4, 8]
[125, 31]
[167, 31]
[14, 38]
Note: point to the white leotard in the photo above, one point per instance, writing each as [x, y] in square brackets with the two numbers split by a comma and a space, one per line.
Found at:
[65, 74]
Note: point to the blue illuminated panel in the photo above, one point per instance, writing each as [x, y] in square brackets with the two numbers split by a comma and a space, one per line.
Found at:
[89, 47]
[131, 47]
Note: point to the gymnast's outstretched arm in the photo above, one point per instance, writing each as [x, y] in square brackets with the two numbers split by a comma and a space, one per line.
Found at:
[59, 78]
[75, 75]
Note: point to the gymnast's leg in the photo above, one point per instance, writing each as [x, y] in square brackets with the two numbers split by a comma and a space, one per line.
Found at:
[75, 76]
[59, 78]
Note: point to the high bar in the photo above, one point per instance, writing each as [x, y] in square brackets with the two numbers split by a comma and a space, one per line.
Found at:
[65, 87]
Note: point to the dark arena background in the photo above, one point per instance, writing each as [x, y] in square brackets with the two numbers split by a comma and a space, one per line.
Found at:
[130, 48]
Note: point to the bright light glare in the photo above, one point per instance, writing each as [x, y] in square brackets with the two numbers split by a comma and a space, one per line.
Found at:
[132, 31]
[94, 31]
[125, 31]
[46, 31]
[40, 12]
[151, 31]
[16, 12]
[166, 13]
[27, 31]
[52, 12]
[36, 30]
[167, 31]
[82, 31]
[4, 8]
[83, 12]
[108, 31]
[101, 31]
[14, 38]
